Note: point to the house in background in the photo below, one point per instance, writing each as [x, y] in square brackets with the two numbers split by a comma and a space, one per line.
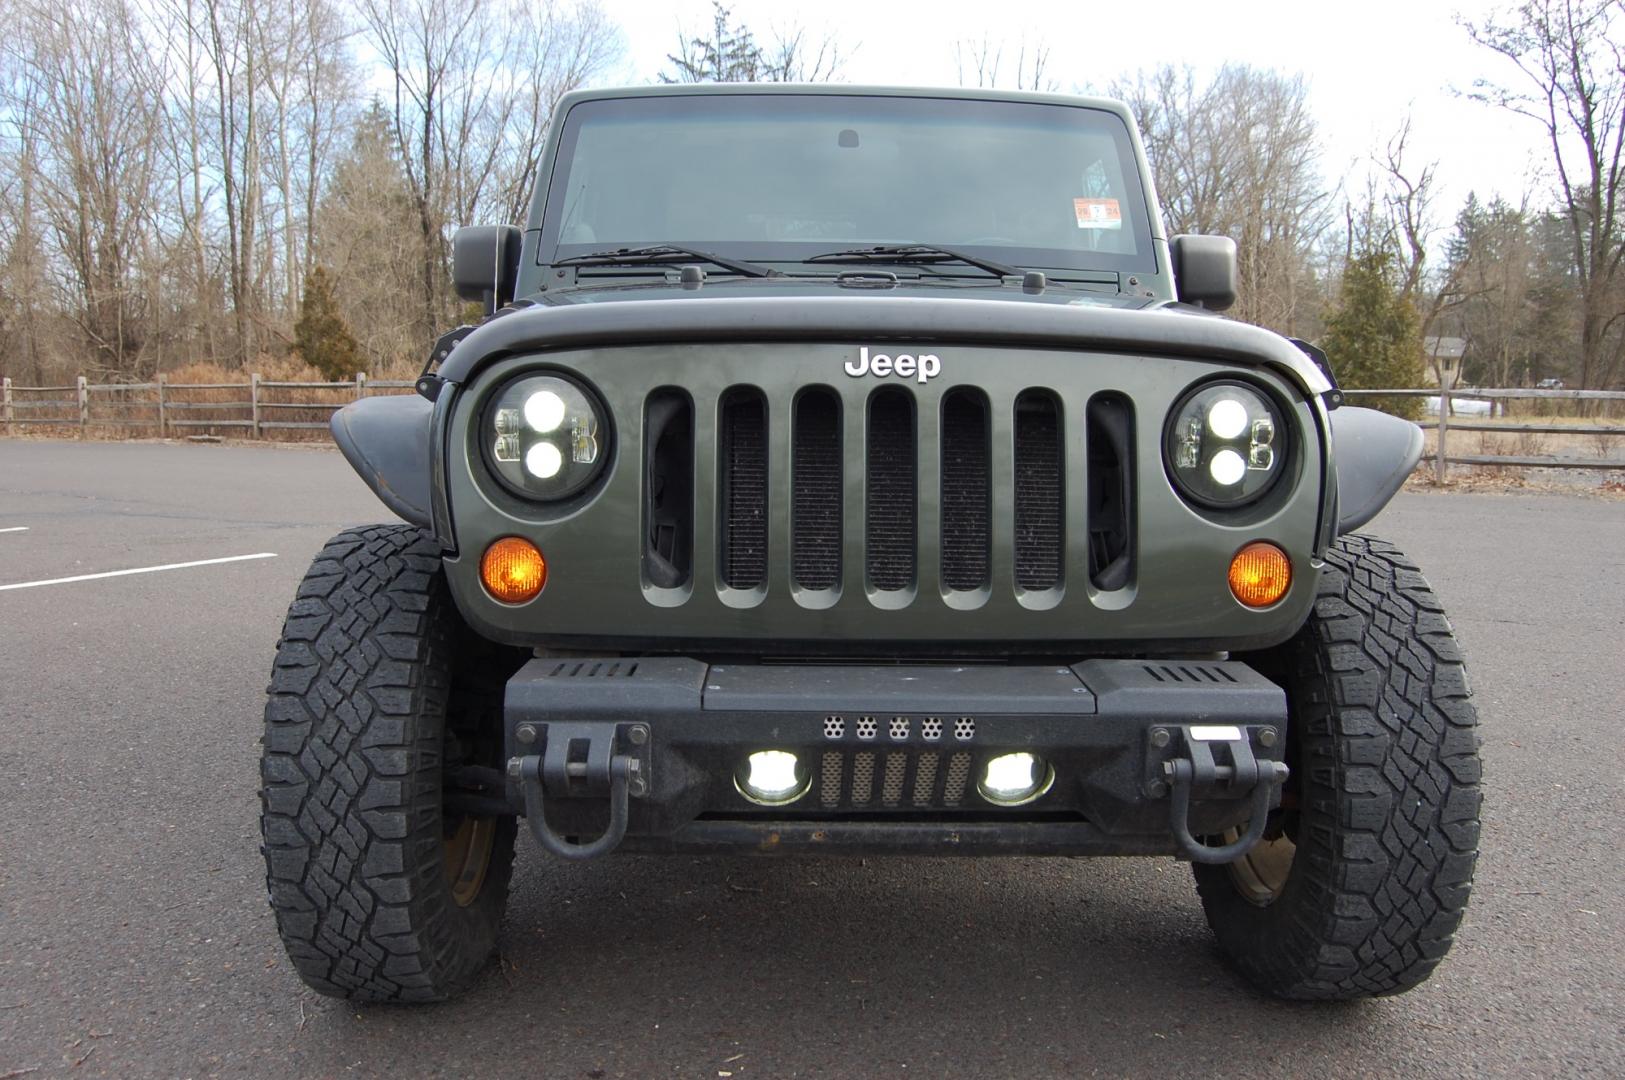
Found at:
[1443, 358]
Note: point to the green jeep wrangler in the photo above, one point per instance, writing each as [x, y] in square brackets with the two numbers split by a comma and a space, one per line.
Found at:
[865, 471]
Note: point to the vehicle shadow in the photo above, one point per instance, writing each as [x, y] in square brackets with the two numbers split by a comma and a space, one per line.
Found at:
[843, 967]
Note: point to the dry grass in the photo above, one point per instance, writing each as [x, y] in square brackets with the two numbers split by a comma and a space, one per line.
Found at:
[1536, 444]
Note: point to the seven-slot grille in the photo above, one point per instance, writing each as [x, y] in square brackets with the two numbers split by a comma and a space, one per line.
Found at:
[837, 447]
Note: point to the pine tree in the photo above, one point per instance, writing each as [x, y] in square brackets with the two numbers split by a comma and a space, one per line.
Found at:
[1373, 337]
[730, 54]
[321, 336]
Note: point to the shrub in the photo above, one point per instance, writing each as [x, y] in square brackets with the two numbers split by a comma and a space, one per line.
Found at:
[321, 335]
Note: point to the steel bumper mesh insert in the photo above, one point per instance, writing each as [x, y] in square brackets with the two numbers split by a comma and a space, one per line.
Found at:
[897, 776]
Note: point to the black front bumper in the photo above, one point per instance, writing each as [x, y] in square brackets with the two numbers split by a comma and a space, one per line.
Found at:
[892, 753]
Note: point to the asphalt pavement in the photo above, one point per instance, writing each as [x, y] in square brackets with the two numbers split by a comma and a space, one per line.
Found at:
[135, 939]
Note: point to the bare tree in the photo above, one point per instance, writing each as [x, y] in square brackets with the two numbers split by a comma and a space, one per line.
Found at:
[563, 48]
[1570, 61]
[306, 80]
[795, 55]
[1238, 156]
[980, 62]
[23, 285]
[87, 117]
[468, 83]
[226, 32]
[1408, 199]
[424, 45]
[182, 137]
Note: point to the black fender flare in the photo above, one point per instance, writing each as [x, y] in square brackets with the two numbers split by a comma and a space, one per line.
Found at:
[387, 441]
[1374, 453]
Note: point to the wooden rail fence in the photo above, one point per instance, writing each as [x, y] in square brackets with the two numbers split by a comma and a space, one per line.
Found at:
[254, 406]
[257, 406]
[1445, 424]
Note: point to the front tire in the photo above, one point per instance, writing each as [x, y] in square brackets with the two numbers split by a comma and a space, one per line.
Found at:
[1361, 880]
[378, 688]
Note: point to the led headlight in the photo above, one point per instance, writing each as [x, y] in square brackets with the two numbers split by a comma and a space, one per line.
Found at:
[1224, 445]
[546, 436]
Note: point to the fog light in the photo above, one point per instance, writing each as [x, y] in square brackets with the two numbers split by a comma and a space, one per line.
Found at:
[1014, 779]
[513, 570]
[773, 778]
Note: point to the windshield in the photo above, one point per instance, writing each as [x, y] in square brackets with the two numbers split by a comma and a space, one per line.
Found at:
[777, 177]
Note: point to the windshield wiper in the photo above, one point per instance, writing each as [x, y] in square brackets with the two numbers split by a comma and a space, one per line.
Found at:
[666, 254]
[916, 253]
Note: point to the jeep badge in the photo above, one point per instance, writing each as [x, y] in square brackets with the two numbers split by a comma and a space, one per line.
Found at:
[903, 365]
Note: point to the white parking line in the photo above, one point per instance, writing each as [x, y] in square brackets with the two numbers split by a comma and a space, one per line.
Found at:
[137, 570]
[16, 528]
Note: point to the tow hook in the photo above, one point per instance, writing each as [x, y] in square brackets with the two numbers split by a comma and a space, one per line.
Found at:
[1230, 774]
[582, 761]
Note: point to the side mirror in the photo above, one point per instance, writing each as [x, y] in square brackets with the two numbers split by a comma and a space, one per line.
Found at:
[485, 264]
[1204, 270]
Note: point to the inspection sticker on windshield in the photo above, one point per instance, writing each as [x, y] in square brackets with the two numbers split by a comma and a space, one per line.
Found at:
[1098, 213]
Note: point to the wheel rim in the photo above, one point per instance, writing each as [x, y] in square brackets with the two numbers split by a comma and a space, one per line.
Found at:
[1260, 875]
[467, 856]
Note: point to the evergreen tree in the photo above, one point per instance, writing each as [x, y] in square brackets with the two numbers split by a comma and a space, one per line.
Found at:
[368, 238]
[730, 54]
[321, 336]
[1373, 336]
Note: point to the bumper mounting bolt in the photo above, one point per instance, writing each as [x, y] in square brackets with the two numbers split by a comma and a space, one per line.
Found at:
[639, 734]
[525, 733]
[1159, 737]
[1267, 737]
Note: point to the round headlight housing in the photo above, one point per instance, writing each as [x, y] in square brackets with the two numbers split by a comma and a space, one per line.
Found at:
[1225, 445]
[545, 436]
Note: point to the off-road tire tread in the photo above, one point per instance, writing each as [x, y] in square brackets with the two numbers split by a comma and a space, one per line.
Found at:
[351, 778]
[1387, 737]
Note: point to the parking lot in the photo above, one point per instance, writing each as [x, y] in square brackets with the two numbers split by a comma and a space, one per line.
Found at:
[135, 939]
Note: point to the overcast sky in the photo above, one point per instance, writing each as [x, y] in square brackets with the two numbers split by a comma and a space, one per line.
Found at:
[1366, 63]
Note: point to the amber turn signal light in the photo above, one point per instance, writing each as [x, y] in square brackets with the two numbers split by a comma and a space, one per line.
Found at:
[513, 570]
[1260, 574]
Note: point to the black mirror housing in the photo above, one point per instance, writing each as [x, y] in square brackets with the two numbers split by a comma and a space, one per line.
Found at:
[485, 264]
[1204, 270]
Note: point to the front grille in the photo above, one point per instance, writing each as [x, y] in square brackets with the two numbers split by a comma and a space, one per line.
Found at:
[1110, 419]
[1039, 494]
[744, 489]
[815, 481]
[889, 534]
[966, 496]
[1002, 511]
